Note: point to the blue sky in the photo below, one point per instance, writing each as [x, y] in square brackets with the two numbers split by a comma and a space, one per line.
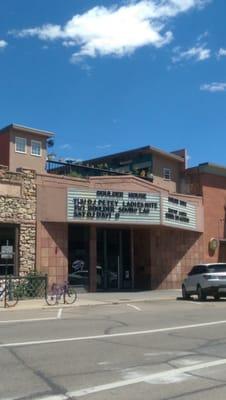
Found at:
[109, 76]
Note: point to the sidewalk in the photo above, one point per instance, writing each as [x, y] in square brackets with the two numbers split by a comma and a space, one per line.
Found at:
[100, 298]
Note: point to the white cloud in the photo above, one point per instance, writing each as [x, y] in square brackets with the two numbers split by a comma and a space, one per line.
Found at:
[214, 87]
[196, 53]
[202, 36]
[117, 30]
[221, 53]
[199, 52]
[103, 146]
[3, 44]
[65, 146]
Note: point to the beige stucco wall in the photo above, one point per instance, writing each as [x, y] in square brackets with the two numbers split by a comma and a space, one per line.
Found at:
[27, 161]
[159, 163]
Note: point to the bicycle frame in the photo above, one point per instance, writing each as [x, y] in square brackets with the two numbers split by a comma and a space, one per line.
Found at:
[59, 291]
[5, 289]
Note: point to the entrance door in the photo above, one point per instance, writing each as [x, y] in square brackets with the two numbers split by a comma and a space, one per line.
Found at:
[78, 256]
[113, 259]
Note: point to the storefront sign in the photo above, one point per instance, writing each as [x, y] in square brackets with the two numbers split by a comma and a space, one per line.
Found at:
[178, 212]
[114, 206]
[130, 208]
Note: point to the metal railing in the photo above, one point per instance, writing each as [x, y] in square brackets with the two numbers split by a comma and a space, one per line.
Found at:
[31, 286]
[77, 170]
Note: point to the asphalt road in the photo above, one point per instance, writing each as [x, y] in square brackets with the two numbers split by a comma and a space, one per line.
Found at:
[151, 350]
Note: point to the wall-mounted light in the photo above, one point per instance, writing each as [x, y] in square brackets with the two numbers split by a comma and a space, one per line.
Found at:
[213, 244]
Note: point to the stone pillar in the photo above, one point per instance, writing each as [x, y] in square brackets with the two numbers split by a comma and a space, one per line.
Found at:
[18, 208]
[27, 248]
[92, 259]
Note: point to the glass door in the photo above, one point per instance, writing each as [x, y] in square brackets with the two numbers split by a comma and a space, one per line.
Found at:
[113, 259]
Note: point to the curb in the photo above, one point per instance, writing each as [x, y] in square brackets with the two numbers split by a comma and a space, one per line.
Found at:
[76, 304]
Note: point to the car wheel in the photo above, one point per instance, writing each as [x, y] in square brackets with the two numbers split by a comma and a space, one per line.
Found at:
[200, 294]
[185, 294]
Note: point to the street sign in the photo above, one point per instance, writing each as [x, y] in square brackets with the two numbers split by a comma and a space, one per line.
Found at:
[7, 252]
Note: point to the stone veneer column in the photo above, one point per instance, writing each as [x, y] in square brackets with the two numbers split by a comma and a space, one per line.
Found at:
[27, 235]
[27, 239]
[18, 207]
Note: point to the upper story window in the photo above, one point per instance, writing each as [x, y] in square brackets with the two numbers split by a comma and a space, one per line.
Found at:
[20, 145]
[36, 148]
[167, 174]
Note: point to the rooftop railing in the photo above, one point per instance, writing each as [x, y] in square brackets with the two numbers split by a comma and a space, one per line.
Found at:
[78, 170]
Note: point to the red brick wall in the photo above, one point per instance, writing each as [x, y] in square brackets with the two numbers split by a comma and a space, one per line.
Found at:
[163, 257]
[4, 149]
[142, 259]
[214, 198]
[173, 253]
[54, 251]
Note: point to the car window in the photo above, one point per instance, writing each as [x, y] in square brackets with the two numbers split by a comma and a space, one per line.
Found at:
[193, 271]
[198, 269]
[202, 269]
[217, 268]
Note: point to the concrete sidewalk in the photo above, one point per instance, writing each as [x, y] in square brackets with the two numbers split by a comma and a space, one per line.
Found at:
[100, 298]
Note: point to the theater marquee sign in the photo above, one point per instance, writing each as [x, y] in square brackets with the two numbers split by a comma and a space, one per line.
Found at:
[129, 208]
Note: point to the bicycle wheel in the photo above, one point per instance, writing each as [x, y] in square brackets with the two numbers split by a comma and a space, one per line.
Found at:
[11, 298]
[70, 295]
[51, 299]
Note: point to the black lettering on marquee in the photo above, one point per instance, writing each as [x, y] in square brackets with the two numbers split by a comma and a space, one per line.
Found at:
[176, 201]
[108, 193]
[110, 204]
[181, 217]
[137, 195]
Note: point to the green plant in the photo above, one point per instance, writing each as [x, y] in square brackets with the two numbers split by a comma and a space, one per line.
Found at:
[30, 286]
[75, 174]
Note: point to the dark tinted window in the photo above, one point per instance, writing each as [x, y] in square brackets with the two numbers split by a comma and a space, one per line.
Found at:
[193, 271]
[202, 269]
[198, 269]
[217, 268]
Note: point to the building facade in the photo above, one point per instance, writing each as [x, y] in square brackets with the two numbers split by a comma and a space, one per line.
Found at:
[208, 181]
[121, 230]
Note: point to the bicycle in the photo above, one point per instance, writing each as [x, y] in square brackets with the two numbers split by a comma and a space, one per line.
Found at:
[8, 293]
[57, 292]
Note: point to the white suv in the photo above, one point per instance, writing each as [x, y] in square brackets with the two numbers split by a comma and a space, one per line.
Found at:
[205, 280]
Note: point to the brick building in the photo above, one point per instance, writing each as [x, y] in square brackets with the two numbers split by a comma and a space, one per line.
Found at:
[209, 181]
[135, 220]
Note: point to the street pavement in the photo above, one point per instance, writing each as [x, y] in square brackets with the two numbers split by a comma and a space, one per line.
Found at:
[161, 349]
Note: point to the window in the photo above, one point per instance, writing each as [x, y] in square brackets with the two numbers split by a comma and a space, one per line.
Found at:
[20, 145]
[167, 174]
[217, 268]
[198, 269]
[35, 148]
[193, 271]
